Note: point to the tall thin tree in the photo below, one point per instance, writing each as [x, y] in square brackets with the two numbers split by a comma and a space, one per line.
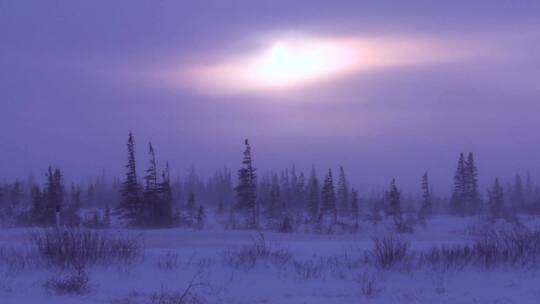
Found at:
[129, 207]
[314, 196]
[329, 198]
[457, 202]
[472, 197]
[343, 192]
[246, 189]
[426, 210]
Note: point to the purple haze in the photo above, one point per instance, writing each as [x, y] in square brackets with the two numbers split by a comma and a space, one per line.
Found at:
[65, 103]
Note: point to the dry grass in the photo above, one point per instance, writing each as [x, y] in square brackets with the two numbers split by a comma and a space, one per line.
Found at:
[80, 247]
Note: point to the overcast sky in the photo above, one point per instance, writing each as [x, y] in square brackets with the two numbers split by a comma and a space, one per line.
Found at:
[76, 76]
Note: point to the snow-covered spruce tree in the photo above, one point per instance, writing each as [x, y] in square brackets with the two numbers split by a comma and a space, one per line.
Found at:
[246, 191]
[457, 201]
[129, 209]
[314, 196]
[472, 196]
[426, 209]
[328, 207]
[343, 193]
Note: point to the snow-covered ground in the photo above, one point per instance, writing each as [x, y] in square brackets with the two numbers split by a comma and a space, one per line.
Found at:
[320, 269]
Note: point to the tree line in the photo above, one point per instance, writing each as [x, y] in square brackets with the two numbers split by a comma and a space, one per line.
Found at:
[285, 201]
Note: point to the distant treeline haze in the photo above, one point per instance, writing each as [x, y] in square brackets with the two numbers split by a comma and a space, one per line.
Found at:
[286, 200]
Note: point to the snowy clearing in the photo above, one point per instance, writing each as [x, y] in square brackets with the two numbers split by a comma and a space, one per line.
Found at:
[299, 268]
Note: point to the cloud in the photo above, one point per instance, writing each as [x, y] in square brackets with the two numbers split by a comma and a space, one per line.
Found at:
[290, 62]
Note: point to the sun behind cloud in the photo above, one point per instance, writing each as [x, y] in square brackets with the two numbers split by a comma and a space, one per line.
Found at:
[291, 63]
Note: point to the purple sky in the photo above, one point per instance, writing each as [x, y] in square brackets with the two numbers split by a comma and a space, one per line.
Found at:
[73, 82]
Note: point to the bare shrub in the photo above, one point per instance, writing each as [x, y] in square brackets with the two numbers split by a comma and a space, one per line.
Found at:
[516, 246]
[191, 294]
[308, 269]
[168, 261]
[72, 283]
[447, 257]
[76, 247]
[389, 251]
[260, 250]
[17, 259]
[519, 246]
[165, 296]
[368, 285]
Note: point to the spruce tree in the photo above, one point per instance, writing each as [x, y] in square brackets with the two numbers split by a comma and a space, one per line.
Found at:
[151, 195]
[496, 200]
[107, 218]
[343, 192]
[355, 208]
[293, 189]
[394, 200]
[374, 214]
[529, 192]
[314, 196]
[191, 210]
[53, 195]
[246, 190]
[518, 194]
[301, 192]
[394, 209]
[151, 172]
[37, 210]
[71, 212]
[426, 210]
[156, 196]
[2, 195]
[165, 212]
[91, 196]
[273, 209]
[328, 196]
[457, 203]
[129, 208]
[201, 214]
[220, 207]
[15, 197]
[472, 197]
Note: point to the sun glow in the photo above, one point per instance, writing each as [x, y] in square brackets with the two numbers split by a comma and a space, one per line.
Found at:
[288, 63]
